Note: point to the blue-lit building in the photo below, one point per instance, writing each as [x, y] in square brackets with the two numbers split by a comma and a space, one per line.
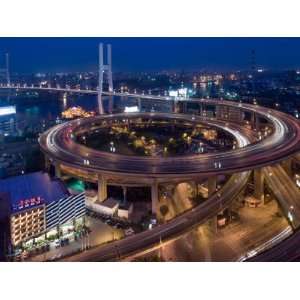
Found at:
[66, 209]
[7, 120]
[36, 203]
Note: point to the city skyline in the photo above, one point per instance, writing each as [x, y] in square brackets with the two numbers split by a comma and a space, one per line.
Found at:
[32, 55]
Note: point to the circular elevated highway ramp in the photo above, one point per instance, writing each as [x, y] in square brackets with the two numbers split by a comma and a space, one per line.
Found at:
[58, 144]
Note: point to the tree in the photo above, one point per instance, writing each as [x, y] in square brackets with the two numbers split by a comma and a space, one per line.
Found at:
[164, 210]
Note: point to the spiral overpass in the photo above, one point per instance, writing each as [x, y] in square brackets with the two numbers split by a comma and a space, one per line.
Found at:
[251, 153]
[279, 147]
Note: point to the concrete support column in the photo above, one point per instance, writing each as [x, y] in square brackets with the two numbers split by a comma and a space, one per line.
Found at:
[203, 110]
[227, 113]
[259, 185]
[175, 107]
[102, 188]
[128, 124]
[140, 104]
[184, 107]
[124, 193]
[212, 185]
[154, 197]
[196, 188]
[287, 165]
[110, 104]
[57, 170]
[217, 111]
[255, 122]
[242, 116]
[214, 224]
[199, 188]
[200, 109]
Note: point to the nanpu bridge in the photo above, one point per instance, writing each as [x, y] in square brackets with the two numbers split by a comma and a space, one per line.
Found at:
[267, 154]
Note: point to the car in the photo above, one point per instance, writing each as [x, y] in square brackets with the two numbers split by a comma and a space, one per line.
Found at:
[129, 231]
[57, 256]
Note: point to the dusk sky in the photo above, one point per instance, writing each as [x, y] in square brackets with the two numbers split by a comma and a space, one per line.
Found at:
[150, 54]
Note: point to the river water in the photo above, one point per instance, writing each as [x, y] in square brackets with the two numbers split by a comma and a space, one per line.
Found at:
[34, 109]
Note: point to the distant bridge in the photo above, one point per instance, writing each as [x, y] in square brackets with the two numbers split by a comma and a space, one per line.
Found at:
[89, 91]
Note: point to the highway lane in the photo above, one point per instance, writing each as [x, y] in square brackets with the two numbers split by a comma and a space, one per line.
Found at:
[286, 192]
[285, 247]
[171, 230]
[174, 228]
[58, 144]
[66, 150]
[285, 251]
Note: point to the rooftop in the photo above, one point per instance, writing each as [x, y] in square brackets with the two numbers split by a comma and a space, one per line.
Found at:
[110, 202]
[32, 189]
[125, 206]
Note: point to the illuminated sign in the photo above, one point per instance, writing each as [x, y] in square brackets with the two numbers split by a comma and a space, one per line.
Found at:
[7, 110]
[182, 92]
[28, 203]
[173, 93]
[131, 109]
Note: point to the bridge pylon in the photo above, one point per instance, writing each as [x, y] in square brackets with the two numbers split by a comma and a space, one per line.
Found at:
[104, 68]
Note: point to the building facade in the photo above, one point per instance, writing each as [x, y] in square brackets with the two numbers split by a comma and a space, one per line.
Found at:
[35, 204]
[64, 210]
